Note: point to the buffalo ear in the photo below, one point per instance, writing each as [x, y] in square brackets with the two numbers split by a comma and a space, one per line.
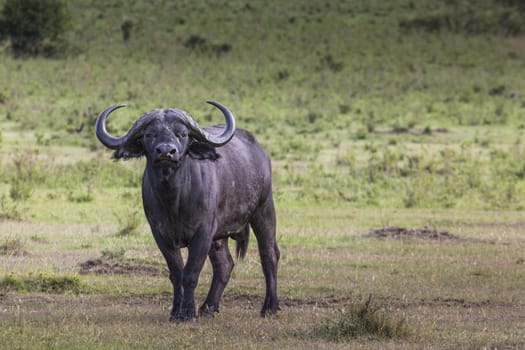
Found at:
[201, 150]
[132, 148]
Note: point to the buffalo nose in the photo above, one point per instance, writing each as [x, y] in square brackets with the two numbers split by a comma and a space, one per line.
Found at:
[166, 149]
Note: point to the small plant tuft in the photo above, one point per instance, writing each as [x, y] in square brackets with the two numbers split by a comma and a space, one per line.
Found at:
[25, 174]
[118, 254]
[201, 45]
[83, 197]
[329, 62]
[129, 222]
[365, 320]
[9, 209]
[282, 75]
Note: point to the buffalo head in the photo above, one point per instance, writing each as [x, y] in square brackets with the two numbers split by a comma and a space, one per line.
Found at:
[162, 134]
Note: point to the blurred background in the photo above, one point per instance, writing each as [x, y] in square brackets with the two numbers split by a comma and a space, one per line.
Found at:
[390, 103]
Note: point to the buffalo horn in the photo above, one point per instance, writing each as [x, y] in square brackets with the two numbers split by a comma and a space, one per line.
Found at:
[103, 135]
[224, 137]
[199, 133]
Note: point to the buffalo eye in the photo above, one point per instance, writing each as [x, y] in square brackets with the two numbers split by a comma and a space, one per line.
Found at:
[183, 134]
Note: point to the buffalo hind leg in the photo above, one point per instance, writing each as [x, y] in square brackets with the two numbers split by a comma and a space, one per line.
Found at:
[222, 265]
[263, 223]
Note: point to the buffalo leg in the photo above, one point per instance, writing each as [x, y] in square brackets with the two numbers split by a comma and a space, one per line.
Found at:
[197, 253]
[222, 264]
[263, 223]
[175, 265]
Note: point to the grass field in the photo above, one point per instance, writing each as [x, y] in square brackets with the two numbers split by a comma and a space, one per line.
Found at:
[396, 134]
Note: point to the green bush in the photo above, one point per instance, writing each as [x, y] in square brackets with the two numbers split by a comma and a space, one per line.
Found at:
[34, 27]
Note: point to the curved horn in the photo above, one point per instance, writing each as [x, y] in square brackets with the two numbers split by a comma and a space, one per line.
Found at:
[227, 134]
[100, 126]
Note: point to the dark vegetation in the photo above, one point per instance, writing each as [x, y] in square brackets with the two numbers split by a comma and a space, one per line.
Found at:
[34, 27]
[428, 233]
[504, 18]
[101, 266]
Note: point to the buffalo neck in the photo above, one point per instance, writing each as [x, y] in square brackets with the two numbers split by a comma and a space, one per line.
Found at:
[168, 184]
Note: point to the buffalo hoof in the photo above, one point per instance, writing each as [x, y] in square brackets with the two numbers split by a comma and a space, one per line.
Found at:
[208, 311]
[188, 316]
[269, 311]
[178, 319]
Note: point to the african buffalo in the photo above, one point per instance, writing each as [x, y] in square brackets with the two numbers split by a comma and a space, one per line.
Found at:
[200, 187]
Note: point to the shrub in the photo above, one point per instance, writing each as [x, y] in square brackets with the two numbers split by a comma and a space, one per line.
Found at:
[126, 28]
[201, 45]
[34, 27]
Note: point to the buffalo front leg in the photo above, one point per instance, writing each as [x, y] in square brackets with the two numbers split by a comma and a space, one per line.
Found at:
[175, 265]
[264, 226]
[197, 253]
[222, 264]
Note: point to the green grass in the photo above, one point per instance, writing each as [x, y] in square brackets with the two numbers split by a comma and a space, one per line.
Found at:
[41, 283]
[373, 118]
[443, 292]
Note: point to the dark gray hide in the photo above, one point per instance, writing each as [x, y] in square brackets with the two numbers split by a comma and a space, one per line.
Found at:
[202, 186]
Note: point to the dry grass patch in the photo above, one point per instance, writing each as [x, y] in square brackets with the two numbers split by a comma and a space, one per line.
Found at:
[428, 233]
[465, 292]
[13, 246]
[364, 320]
[101, 266]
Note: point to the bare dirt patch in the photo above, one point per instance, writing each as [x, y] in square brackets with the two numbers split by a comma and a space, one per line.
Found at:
[425, 233]
[107, 267]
